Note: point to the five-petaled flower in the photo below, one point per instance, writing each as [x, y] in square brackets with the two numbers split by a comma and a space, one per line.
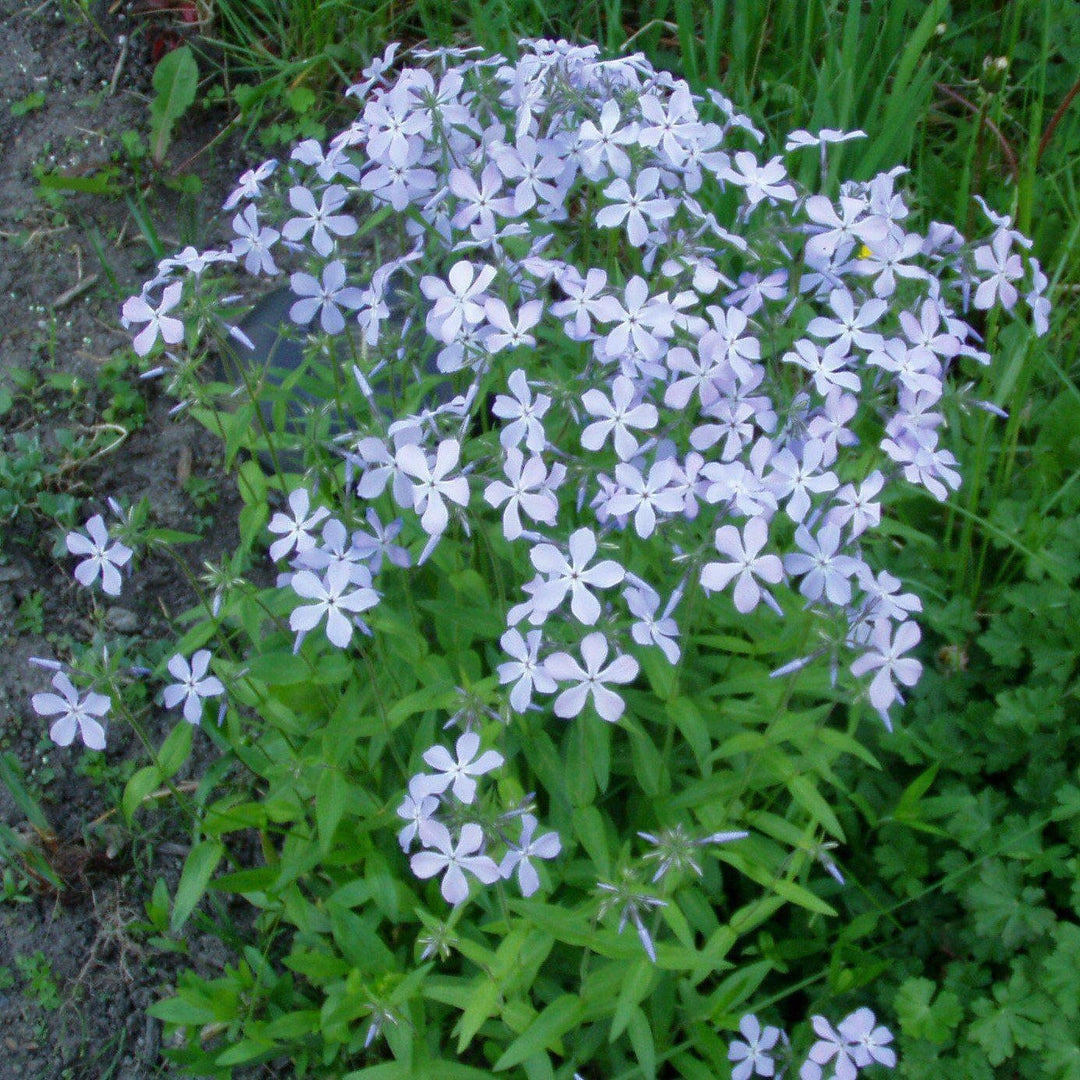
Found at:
[459, 303]
[855, 1043]
[101, 558]
[432, 483]
[455, 859]
[193, 684]
[529, 847]
[324, 298]
[574, 576]
[295, 530]
[746, 566]
[591, 679]
[885, 656]
[76, 713]
[754, 1055]
[525, 669]
[458, 774]
[321, 220]
[331, 600]
[138, 310]
[524, 413]
[616, 417]
[417, 810]
[527, 490]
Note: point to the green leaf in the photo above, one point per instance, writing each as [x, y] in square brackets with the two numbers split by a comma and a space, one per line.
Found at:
[317, 966]
[561, 1016]
[692, 726]
[806, 794]
[1015, 1018]
[1061, 969]
[1004, 908]
[400, 1070]
[660, 674]
[256, 880]
[293, 1025]
[484, 997]
[300, 99]
[102, 183]
[144, 781]
[737, 988]
[175, 749]
[246, 1050]
[634, 986]
[331, 795]
[198, 869]
[580, 782]
[589, 829]
[921, 1017]
[641, 1039]
[176, 78]
[597, 735]
[907, 806]
[279, 668]
[11, 774]
[435, 696]
[178, 1011]
[648, 765]
[796, 894]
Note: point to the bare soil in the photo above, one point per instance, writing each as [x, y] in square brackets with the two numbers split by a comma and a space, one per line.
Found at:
[76, 974]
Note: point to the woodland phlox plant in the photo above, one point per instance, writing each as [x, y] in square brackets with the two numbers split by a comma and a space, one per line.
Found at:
[608, 344]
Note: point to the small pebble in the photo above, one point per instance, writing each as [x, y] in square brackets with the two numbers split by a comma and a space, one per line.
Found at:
[122, 620]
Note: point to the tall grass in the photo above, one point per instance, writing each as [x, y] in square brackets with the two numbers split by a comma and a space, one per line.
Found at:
[908, 72]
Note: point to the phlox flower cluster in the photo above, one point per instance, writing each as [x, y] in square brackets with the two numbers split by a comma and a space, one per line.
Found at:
[452, 789]
[691, 414]
[839, 1053]
[333, 569]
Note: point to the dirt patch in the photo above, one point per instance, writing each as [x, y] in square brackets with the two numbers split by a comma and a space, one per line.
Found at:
[76, 974]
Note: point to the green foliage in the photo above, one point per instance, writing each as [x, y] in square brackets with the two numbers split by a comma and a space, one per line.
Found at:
[55, 426]
[176, 79]
[969, 838]
[28, 104]
[959, 832]
[41, 985]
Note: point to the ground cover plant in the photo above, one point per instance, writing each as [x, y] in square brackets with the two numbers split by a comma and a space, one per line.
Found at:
[983, 1014]
[588, 210]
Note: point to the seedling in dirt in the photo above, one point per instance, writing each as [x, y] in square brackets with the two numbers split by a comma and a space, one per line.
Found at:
[28, 104]
[156, 926]
[40, 460]
[30, 616]
[37, 971]
[176, 78]
[203, 492]
[125, 399]
[14, 889]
